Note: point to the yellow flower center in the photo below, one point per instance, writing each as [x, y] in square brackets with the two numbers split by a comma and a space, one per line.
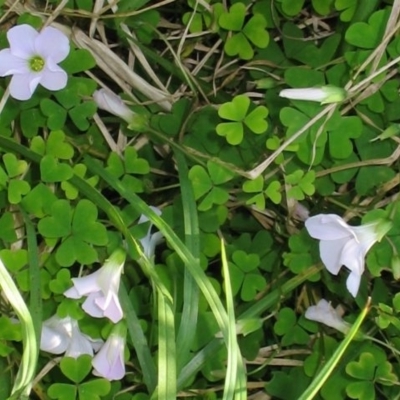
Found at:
[36, 63]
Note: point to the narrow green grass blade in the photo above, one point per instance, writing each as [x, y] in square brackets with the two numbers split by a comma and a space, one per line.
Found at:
[35, 300]
[166, 350]
[192, 264]
[139, 341]
[187, 327]
[198, 361]
[327, 369]
[233, 348]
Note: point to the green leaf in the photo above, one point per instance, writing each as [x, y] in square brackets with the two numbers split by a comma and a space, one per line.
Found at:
[367, 35]
[255, 121]
[81, 114]
[234, 18]
[238, 44]
[53, 171]
[94, 390]
[56, 115]
[14, 167]
[76, 369]
[246, 262]
[59, 223]
[233, 131]
[361, 390]
[273, 192]
[252, 285]
[78, 60]
[254, 185]
[201, 181]
[218, 173]
[364, 368]
[16, 189]
[57, 146]
[62, 391]
[255, 31]
[235, 110]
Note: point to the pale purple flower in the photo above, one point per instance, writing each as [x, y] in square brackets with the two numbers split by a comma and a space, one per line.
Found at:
[32, 60]
[109, 361]
[62, 335]
[109, 101]
[342, 244]
[101, 288]
[323, 312]
[150, 241]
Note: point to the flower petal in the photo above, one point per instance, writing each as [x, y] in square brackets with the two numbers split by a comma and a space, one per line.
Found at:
[331, 254]
[328, 227]
[87, 284]
[52, 43]
[110, 306]
[10, 64]
[54, 80]
[53, 341]
[22, 86]
[353, 283]
[90, 306]
[109, 361]
[22, 41]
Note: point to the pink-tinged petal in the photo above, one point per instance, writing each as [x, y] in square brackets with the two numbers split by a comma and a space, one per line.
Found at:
[110, 306]
[353, 283]
[54, 80]
[22, 41]
[328, 227]
[53, 341]
[10, 64]
[87, 284]
[22, 86]
[109, 361]
[52, 43]
[79, 344]
[90, 306]
[331, 254]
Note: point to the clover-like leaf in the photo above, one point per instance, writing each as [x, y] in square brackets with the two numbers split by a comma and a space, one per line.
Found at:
[255, 121]
[52, 170]
[236, 109]
[254, 185]
[201, 181]
[56, 115]
[252, 285]
[233, 19]
[238, 44]
[76, 369]
[246, 262]
[16, 189]
[94, 390]
[57, 146]
[62, 391]
[14, 167]
[273, 192]
[255, 31]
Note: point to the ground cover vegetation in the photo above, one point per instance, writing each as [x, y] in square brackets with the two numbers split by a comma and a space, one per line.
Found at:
[199, 199]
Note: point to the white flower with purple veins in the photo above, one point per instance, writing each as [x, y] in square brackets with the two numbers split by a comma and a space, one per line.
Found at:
[32, 60]
[342, 244]
[151, 240]
[109, 361]
[323, 312]
[62, 335]
[101, 288]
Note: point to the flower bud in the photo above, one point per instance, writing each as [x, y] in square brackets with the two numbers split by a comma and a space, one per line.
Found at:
[323, 94]
[108, 101]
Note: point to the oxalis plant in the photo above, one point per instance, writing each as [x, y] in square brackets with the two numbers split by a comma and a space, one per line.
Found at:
[199, 199]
